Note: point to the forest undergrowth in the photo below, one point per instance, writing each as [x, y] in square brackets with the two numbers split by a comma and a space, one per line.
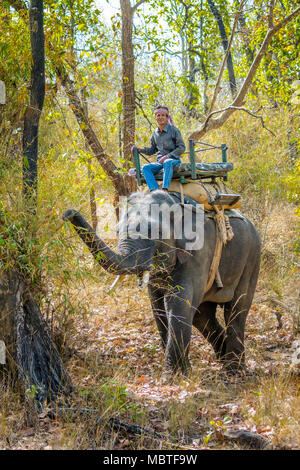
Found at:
[110, 343]
[113, 355]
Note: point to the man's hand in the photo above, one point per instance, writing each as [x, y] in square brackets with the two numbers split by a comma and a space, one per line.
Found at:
[134, 147]
[163, 159]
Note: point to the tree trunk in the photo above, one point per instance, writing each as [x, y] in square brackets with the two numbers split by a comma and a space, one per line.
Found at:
[245, 37]
[93, 205]
[32, 357]
[223, 34]
[127, 81]
[37, 94]
[205, 85]
[191, 98]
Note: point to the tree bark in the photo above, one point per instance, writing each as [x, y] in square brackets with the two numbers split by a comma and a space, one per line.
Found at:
[205, 85]
[191, 99]
[33, 359]
[37, 94]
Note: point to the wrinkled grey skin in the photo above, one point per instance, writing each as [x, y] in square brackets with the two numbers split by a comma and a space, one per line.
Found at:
[177, 284]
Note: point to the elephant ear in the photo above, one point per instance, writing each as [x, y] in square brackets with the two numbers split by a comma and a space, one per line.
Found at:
[183, 255]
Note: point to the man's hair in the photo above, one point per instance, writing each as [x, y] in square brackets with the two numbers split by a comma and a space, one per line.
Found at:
[162, 107]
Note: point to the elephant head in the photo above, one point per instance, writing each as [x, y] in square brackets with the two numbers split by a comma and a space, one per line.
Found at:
[145, 241]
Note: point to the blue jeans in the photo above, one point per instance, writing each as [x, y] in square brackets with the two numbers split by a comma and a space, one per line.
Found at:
[151, 169]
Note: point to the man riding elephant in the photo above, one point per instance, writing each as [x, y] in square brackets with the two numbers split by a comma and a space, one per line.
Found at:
[167, 142]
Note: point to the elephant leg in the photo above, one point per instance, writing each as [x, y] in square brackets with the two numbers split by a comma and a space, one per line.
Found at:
[156, 296]
[235, 314]
[180, 317]
[206, 322]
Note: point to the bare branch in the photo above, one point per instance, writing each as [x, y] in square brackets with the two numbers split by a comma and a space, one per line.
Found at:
[134, 7]
[238, 108]
[144, 114]
[254, 115]
[287, 19]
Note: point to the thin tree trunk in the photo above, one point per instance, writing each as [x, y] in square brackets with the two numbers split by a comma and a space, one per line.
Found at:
[217, 15]
[37, 94]
[192, 99]
[205, 85]
[245, 37]
[127, 81]
[202, 64]
[93, 205]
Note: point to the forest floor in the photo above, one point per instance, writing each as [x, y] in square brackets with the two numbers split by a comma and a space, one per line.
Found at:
[115, 360]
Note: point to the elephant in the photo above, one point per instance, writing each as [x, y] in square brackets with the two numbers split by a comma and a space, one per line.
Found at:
[178, 276]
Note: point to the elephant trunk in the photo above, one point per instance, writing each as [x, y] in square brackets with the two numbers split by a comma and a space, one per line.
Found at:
[109, 260]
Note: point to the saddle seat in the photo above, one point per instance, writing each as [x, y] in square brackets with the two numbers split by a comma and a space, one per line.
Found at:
[202, 169]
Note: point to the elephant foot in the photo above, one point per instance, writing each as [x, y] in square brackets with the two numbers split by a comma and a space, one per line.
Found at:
[169, 376]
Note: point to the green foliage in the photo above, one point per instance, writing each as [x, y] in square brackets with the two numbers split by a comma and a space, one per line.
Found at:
[32, 391]
[15, 62]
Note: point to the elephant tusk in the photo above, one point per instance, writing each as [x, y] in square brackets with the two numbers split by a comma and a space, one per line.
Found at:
[143, 280]
[118, 278]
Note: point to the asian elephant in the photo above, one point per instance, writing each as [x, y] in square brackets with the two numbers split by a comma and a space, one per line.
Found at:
[179, 275]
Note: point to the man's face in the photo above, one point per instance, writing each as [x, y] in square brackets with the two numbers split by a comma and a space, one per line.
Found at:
[161, 118]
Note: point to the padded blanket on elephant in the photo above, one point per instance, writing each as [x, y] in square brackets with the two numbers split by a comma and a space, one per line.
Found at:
[202, 169]
[203, 192]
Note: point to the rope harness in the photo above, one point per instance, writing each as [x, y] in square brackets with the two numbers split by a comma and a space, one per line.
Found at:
[224, 233]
